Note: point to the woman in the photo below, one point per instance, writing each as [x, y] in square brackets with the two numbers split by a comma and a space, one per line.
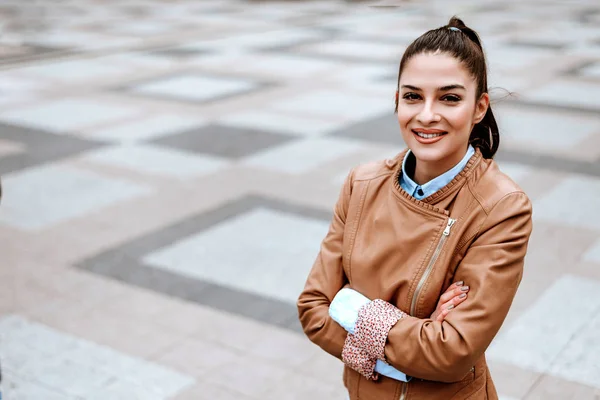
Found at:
[437, 217]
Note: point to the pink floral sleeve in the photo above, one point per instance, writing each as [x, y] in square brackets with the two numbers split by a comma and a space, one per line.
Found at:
[363, 348]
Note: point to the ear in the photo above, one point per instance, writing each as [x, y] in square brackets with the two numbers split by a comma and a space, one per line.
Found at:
[481, 107]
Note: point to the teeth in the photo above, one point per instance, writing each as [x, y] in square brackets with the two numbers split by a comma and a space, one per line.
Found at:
[428, 135]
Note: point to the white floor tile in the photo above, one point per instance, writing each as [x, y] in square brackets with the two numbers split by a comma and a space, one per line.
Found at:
[281, 123]
[593, 254]
[578, 362]
[157, 160]
[85, 369]
[574, 94]
[41, 197]
[287, 66]
[573, 202]
[75, 70]
[147, 128]
[301, 156]
[562, 316]
[195, 88]
[592, 71]
[273, 261]
[365, 50]
[324, 103]
[68, 115]
[544, 131]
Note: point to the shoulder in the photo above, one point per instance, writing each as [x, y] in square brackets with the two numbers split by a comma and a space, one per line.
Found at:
[491, 186]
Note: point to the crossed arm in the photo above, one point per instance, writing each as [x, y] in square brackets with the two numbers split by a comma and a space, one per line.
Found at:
[442, 348]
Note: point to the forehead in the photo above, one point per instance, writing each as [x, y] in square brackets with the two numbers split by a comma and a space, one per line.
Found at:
[433, 70]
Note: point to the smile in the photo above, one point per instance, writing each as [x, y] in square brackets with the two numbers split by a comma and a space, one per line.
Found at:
[429, 135]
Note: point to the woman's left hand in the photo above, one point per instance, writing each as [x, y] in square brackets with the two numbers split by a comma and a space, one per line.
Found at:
[456, 294]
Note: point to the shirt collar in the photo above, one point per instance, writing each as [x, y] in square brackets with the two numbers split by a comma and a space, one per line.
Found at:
[435, 184]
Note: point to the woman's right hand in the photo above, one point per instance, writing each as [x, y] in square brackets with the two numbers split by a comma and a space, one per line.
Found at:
[456, 294]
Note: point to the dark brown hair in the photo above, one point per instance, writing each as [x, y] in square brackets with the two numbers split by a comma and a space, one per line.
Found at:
[463, 43]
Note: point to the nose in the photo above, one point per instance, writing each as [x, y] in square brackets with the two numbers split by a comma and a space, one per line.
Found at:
[428, 114]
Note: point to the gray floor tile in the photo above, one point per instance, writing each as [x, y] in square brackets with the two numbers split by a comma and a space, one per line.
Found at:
[223, 141]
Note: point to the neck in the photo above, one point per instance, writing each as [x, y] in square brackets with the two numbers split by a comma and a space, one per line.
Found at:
[425, 171]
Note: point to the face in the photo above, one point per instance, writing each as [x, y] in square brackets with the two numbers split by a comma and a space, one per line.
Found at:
[437, 109]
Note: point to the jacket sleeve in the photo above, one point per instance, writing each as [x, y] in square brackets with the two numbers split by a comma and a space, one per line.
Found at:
[492, 267]
[325, 279]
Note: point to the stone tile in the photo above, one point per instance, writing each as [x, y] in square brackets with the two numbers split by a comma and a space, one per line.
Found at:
[328, 103]
[381, 129]
[195, 357]
[208, 391]
[79, 367]
[194, 88]
[70, 71]
[536, 342]
[68, 114]
[593, 254]
[303, 155]
[527, 128]
[250, 376]
[223, 141]
[154, 160]
[578, 361]
[295, 386]
[574, 94]
[19, 387]
[287, 348]
[560, 207]
[516, 57]
[551, 388]
[277, 122]
[516, 172]
[323, 366]
[148, 128]
[265, 263]
[178, 53]
[286, 66]
[64, 375]
[511, 381]
[8, 147]
[41, 147]
[355, 49]
[591, 71]
[67, 193]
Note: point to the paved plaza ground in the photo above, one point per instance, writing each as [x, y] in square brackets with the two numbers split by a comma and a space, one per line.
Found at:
[169, 169]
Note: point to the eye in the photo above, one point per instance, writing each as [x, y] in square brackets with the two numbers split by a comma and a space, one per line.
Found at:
[411, 96]
[452, 98]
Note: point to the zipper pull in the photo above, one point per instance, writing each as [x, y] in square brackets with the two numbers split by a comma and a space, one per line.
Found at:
[450, 223]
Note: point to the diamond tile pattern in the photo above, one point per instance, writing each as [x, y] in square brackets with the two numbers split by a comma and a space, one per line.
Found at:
[169, 170]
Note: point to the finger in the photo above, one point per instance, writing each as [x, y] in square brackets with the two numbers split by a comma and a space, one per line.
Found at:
[454, 290]
[445, 311]
[455, 301]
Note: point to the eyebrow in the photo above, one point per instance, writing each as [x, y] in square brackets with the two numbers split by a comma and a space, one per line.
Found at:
[441, 89]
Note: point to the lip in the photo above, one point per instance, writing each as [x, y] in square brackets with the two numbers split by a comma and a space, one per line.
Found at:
[428, 131]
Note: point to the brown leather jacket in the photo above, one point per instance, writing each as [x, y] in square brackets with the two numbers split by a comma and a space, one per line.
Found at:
[385, 244]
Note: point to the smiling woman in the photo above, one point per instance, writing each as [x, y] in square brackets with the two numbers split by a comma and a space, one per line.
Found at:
[425, 251]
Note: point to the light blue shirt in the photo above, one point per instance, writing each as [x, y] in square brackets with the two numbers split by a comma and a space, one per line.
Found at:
[420, 192]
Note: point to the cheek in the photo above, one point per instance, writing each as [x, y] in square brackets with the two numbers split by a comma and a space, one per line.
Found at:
[460, 118]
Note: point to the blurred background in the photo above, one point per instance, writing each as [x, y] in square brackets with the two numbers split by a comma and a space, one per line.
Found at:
[169, 170]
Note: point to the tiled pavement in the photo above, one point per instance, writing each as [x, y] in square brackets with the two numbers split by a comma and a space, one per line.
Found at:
[169, 169]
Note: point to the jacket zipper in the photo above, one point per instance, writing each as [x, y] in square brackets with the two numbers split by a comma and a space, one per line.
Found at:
[436, 254]
[413, 304]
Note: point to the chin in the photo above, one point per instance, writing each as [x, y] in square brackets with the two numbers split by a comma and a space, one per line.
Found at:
[428, 153]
